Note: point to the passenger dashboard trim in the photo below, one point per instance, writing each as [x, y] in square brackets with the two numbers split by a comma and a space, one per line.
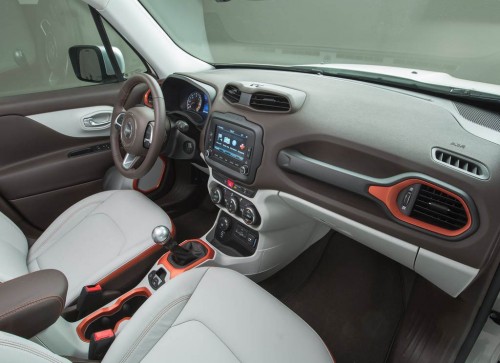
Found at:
[384, 191]
[389, 196]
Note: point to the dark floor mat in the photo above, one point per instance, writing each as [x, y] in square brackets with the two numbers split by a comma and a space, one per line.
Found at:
[353, 298]
[195, 223]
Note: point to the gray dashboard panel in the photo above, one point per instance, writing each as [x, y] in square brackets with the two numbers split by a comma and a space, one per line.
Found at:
[376, 131]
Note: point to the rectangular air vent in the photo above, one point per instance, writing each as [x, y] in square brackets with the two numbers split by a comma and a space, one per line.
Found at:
[440, 209]
[460, 163]
[269, 102]
[232, 94]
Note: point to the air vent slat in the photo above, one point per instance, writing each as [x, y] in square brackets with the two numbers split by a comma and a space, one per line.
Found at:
[460, 163]
[440, 209]
[232, 94]
[269, 102]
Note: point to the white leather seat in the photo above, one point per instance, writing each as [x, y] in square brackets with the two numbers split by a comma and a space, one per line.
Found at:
[204, 315]
[89, 242]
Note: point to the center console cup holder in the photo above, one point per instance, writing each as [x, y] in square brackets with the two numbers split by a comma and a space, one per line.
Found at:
[110, 317]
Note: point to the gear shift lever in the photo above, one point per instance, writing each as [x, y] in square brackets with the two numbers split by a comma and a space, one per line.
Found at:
[182, 256]
[161, 236]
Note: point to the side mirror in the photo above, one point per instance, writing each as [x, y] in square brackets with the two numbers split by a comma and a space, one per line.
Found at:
[91, 63]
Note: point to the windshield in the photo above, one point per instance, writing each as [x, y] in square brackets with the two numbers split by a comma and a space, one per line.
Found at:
[457, 37]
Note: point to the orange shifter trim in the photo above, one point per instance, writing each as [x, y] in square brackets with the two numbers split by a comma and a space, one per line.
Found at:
[124, 268]
[389, 196]
[177, 271]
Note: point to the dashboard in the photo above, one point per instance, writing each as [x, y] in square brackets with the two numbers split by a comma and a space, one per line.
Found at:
[413, 167]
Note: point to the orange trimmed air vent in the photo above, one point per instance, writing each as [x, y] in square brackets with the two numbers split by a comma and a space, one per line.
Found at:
[425, 205]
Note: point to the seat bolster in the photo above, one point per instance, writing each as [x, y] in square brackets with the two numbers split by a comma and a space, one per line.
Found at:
[154, 319]
[14, 349]
[216, 315]
[13, 250]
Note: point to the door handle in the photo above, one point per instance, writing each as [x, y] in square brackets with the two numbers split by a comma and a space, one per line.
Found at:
[97, 121]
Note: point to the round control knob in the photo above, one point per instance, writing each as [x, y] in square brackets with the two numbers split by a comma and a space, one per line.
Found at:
[208, 153]
[250, 216]
[161, 235]
[244, 169]
[216, 195]
[233, 205]
[225, 224]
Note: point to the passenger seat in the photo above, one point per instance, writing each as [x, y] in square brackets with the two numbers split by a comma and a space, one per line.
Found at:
[204, 315]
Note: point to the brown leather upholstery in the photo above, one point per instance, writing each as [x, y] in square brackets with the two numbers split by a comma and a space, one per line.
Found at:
[32, 302]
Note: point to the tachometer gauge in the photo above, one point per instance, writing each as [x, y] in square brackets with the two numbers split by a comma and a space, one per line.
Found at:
[194, 102]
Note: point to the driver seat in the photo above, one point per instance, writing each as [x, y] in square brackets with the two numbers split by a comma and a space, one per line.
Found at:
[105, 239]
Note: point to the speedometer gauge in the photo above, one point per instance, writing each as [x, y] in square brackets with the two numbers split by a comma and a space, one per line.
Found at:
[194, 102]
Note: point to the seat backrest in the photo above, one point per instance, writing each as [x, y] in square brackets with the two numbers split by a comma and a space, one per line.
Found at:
[14, 349]
[13, 250]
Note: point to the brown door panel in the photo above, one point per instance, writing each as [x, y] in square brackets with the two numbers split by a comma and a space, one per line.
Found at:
[22, 139]
[38, 178]
[52, 171]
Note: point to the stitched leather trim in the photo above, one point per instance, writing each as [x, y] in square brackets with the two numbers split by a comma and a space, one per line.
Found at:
[24, 306]
[30, 350]
[151, 324]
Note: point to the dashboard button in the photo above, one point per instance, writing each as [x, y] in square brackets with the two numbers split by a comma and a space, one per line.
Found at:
[244, 169]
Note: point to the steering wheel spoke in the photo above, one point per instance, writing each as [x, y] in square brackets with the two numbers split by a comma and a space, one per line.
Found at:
[129, 161]
[119, 120]
[148, 135]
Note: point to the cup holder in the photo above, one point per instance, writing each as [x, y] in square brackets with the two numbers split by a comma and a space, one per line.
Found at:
[109, 317]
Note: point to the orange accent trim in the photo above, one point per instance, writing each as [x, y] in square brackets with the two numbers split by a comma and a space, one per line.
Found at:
[177, 271]
[389, 196]
[135, 183]
[151, 250]
[145, 99]
[109, 310]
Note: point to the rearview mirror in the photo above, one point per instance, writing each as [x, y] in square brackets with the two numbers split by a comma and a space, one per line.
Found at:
[91, 63]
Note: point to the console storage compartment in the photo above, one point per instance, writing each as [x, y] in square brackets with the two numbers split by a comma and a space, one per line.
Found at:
[110, 317]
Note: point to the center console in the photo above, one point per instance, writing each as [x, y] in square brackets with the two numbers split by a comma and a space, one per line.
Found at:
[233, 149]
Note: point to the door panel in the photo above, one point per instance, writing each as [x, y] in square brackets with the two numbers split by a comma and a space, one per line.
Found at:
[44, 168]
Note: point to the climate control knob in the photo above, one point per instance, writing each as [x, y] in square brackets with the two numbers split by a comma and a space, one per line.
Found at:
[250, 216]
[225, 224]
[216, 195]
[233, 205]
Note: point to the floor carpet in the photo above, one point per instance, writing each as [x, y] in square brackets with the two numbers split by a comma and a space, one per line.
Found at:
[351, 295]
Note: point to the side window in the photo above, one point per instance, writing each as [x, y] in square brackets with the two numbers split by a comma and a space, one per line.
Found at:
[35, 39]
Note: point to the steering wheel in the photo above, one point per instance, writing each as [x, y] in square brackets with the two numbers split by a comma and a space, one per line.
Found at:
[140, 130]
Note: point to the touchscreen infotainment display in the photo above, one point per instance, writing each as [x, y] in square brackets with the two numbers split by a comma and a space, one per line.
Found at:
[230, 142]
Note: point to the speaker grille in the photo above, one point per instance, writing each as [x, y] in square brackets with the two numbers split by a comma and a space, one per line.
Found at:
[479, 116]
